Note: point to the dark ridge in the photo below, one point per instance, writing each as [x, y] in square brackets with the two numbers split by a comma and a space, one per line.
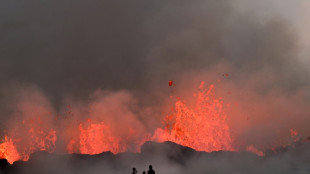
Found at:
[302, 143]
[168, 153]
[4, 164]
[175, 152]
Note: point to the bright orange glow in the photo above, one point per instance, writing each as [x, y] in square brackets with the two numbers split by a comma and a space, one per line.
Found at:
[203, 127]
[97, 138]
[8, 151]
[200, 125]
[20, 144]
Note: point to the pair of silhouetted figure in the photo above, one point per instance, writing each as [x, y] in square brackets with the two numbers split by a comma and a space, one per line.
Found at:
[151, 171]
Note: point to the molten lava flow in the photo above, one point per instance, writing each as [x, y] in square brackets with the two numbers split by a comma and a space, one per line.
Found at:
[20, 144]
[98, 138]
[95, 138]
[8, 151]
[203, 127]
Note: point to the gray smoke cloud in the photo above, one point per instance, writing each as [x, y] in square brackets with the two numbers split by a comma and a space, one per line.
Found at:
[59, 53]
[75, 47]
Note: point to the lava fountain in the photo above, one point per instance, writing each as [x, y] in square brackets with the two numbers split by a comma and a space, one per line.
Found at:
[36, 137]
[202, 127]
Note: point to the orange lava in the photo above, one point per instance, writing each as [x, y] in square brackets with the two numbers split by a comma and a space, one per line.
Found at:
[8, 151]
[97, 138]
[20, 144]
[202, 127]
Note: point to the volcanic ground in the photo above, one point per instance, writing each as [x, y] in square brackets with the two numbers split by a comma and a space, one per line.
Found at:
[169, 158]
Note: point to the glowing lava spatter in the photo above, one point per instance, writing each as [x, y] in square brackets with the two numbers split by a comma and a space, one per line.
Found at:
[8, 151]
[21, 144]
[95, 138]
[203, 127]
[98, 138]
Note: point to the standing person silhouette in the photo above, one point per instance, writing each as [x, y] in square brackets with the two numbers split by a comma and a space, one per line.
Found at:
[143, 172]
[134, 171]
[151, 171]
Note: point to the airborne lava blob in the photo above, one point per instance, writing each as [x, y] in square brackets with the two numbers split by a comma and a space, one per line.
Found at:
[97, 138]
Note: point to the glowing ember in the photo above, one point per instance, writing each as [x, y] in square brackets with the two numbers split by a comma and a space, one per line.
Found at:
[203, 127]
[293, 133]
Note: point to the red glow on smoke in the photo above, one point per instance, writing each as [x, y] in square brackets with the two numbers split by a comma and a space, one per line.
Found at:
[293, 133]
[8, 150]
[201, 125]
[14, 149]
[97, 138]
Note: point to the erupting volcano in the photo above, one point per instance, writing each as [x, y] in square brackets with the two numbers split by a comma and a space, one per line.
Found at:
[186, 86]
[35, 137]
[202, 128]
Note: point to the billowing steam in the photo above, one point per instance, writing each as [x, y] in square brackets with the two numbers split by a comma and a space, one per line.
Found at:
[92, 76]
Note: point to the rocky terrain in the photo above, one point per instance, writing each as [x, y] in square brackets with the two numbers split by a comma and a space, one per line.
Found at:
[169, 158]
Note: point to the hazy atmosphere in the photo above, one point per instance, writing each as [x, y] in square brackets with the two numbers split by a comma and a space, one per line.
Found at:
[75, 62]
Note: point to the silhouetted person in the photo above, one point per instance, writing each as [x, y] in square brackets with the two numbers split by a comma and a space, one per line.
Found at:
[143, 172]
[134, 171]
[151, 171]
